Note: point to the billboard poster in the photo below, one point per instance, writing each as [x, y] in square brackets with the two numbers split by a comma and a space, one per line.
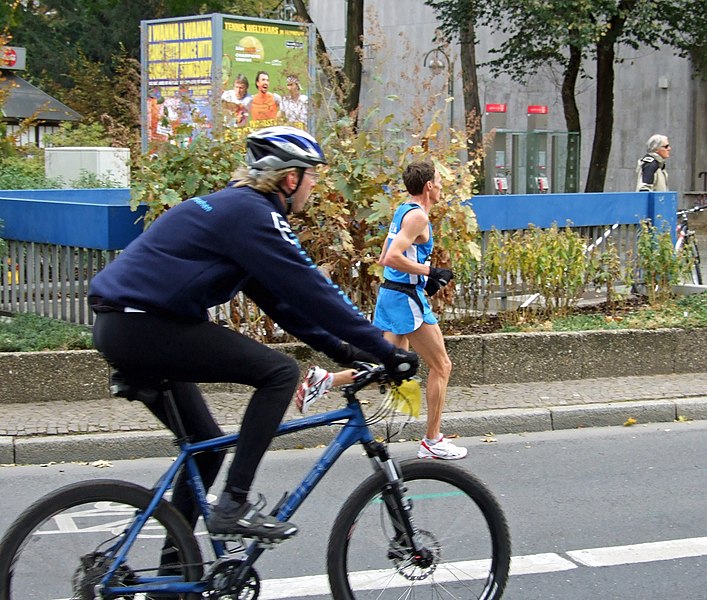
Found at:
[205, 73]
[264, 73]
[178, 68]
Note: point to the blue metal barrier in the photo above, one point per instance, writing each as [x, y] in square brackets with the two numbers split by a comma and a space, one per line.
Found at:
[95, 218]
[518, 211]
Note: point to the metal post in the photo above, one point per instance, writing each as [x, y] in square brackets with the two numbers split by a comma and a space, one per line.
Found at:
[437, 66]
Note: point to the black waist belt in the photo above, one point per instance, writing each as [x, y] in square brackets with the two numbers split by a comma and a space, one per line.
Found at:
[101, 305]
[409, 289]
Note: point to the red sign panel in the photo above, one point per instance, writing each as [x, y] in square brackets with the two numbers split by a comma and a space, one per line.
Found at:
[12, 57]
[495, 108]
[537, 109]
[8, 58]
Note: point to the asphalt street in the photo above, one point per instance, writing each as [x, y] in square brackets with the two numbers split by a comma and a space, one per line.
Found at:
[611, 512]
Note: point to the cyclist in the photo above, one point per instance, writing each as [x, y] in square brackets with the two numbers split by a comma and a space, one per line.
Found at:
[152, 322]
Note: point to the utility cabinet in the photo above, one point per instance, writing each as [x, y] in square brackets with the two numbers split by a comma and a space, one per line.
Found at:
[70, 164]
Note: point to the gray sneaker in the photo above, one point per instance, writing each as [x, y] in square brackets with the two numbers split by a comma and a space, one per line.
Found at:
[231, 520]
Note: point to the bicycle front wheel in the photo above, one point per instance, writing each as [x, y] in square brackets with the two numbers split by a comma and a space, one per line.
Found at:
[460, 527]
[60, 547]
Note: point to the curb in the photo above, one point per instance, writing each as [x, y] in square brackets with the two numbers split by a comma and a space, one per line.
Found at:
[34, 450]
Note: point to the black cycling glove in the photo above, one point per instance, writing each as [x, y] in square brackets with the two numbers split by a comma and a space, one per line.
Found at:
[437, 279]
[401, 364]
[346, 354]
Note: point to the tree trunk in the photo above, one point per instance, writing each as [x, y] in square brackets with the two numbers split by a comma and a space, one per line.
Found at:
[604, 124]
[572, 122]
[353, 56]
[333, 75]
[470, 83]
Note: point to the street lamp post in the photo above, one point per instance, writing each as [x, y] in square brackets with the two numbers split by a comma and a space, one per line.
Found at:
[432, 59]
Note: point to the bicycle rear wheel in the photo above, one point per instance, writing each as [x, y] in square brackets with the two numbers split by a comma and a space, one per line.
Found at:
[58, 548]
[458, 522]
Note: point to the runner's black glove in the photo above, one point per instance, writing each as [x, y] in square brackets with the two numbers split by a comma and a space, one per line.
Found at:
[346, 354]
[401, 364]
[437, 279]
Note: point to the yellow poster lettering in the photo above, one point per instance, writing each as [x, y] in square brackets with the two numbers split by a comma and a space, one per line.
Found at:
[262, 29]
[163, 31]
[197, 29]
[199, 69]
[231, 26]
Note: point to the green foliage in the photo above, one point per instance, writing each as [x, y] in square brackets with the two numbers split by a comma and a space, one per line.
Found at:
[660, 267]
[178, 172]
[78, 134]
[607, 270]
[28, 333]
[19, 172]
[549, 262]
[685, 312]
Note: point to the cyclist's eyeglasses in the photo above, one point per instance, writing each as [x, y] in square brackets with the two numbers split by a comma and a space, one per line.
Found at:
[313, 174]
[666, 146]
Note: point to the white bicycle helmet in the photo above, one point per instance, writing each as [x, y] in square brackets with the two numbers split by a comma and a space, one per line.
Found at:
[282, 147]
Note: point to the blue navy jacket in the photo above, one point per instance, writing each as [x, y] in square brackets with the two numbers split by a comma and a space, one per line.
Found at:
[203, 251]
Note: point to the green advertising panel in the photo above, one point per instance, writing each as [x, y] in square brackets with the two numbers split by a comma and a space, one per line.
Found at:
[273, 59]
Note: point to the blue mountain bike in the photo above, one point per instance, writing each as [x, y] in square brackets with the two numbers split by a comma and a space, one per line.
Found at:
[420, 528]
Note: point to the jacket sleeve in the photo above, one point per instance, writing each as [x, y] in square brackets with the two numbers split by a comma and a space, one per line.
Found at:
[286, 317]
[261, 242]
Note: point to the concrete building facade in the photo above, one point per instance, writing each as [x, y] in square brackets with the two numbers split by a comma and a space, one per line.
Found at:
[654, 92]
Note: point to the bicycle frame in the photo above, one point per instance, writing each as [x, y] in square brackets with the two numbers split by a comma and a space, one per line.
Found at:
[354, 430]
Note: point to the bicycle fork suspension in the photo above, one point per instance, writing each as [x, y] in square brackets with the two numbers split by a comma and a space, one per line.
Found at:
[398, 505]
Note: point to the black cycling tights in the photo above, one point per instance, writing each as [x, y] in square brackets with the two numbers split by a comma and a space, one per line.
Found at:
[146, 347]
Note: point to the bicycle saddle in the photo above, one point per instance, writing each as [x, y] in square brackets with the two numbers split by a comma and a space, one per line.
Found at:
[143, 390]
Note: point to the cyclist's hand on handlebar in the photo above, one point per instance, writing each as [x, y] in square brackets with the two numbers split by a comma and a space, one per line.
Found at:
[401, 364]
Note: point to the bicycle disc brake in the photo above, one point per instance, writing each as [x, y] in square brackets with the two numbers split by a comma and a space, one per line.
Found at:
[416, 566]
[223, 581]
[92, 569]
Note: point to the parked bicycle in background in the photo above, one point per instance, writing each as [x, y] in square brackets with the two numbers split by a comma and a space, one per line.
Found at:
[686, 241]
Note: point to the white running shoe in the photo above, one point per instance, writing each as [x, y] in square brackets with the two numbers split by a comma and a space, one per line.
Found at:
[442, 449]
[317, 382]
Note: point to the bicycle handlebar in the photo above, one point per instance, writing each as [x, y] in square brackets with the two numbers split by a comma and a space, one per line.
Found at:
[686, 211]
[367, 374]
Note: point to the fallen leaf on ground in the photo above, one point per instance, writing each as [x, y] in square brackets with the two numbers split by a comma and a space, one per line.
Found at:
[101, 464]
[630, 421]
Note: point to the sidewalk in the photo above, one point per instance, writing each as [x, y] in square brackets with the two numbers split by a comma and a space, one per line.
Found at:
[114, 428]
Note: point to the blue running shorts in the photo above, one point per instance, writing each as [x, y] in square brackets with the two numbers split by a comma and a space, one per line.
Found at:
[400, 314]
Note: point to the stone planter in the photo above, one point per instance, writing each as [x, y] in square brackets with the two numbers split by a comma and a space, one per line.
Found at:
[477, 359]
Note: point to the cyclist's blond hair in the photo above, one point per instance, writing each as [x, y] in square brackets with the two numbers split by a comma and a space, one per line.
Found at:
[261, 181]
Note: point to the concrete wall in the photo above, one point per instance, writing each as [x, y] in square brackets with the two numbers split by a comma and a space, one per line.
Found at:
[398, 40]
[479, 359]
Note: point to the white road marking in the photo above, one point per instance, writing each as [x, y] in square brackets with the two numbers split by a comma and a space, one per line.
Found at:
[640, 553]
[533, 564]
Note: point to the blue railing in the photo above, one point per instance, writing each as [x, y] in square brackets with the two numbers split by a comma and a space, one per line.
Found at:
[57, 240]
[518, 211]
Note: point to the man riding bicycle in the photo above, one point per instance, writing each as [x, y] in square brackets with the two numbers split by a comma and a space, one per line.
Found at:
[152, 323]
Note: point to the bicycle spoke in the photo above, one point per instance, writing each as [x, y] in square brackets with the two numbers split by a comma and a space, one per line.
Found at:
[464, 549]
